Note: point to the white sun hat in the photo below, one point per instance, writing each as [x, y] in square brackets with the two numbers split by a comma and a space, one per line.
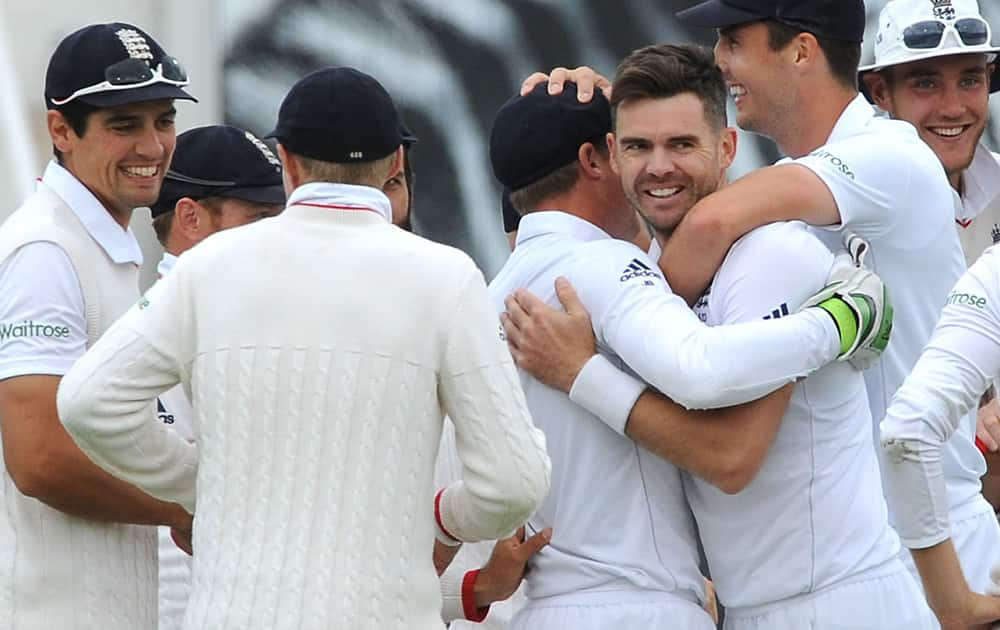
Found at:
[913, 30]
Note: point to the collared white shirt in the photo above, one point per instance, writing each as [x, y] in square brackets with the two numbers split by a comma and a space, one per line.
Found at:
[42, 322]
[166, 264]
[891, 189]
[342, 197]
[977, 210]
[602, 481]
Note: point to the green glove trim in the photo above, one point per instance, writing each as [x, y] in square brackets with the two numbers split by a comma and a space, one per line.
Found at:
[844, 319]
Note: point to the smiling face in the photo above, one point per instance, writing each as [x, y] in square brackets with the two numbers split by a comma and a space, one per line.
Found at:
[945, 98]
[757, 78]
[668, 156]
[123, 154]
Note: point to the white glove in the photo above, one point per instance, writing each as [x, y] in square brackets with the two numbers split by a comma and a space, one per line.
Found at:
[858, 302]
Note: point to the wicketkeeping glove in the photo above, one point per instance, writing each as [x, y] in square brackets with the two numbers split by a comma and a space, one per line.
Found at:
[858, 302]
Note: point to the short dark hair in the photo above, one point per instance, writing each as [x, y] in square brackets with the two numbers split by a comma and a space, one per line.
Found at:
[665, 70]
[842, 57]
[555, 183]
[77, 116]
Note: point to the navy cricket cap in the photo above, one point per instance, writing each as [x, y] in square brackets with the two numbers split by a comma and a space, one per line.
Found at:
[220, 161]
[536, 134]
[339, 115]
[842, 20]
[106, 65]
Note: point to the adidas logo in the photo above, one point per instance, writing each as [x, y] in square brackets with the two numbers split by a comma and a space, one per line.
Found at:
[995, 233]
[779, 312]
[636, 269]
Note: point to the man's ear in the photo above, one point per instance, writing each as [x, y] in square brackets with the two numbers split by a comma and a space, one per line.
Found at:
[592, 163]
[612, 151]
[727, 145]
[878, 88]
[60, 131]
[188, 219]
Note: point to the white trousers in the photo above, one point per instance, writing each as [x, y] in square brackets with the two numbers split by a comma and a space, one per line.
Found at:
[976, 536]
[612, 610]
[883, 599]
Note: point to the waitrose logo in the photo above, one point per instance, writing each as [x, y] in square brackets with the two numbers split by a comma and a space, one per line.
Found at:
[29, 328]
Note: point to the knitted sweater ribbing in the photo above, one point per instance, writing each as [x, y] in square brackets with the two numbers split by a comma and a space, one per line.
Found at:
[320, 349]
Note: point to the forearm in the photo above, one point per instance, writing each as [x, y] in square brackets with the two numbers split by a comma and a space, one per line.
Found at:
[76, 486]
[106, 405]
[778, 193]
[944, 583]
[725, 447]
[505, 469]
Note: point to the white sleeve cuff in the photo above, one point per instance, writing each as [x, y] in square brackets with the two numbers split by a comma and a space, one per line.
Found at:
[607, 392]
[451, 596]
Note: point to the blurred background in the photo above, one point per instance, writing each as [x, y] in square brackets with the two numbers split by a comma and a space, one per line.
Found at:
[449, 64]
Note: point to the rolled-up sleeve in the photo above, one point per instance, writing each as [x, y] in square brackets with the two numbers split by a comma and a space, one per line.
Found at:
[958, 364]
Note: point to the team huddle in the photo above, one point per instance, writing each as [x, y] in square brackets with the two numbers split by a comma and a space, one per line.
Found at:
[684, 401]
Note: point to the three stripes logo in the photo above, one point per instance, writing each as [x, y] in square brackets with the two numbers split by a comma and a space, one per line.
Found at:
[637, 269]
[781, 311]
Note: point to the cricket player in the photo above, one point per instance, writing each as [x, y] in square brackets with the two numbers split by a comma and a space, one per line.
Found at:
[220, 177]
[76, 548]
[817, 465]
[624, 552]
[318, 399]
[935, 67]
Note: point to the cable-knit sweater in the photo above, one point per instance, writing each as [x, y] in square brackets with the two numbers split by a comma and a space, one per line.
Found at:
[321, 349]
[58, 571]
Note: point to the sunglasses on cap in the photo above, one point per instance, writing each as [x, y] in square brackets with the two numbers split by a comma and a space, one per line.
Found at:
[929, 34]
[133, 73]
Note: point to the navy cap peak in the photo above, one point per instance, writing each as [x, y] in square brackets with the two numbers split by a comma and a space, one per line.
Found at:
[842, 20]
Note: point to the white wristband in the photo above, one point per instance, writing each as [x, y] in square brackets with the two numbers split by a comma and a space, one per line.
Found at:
[607, 392]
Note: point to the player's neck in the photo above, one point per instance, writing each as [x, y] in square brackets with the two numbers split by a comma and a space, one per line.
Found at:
[579, 203]
[814, 122]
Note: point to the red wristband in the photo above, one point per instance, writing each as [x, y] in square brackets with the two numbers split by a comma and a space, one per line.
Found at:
[437, 517]
[469, 598]
[982, 446]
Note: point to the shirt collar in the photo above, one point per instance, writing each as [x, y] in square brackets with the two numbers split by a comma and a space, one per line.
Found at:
[120, 244]
[858, 114]
[342, 197]
[980, 184]
[557, 222]
[166, 264]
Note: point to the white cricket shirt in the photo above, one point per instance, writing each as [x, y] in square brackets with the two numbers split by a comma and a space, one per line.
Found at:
[891, 189]
[618, 513]
[815, 514]
[977, 210]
